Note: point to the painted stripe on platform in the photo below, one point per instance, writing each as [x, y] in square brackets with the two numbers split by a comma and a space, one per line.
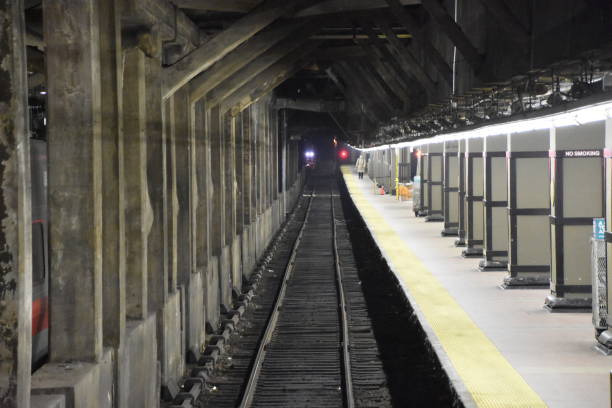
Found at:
[487, 375]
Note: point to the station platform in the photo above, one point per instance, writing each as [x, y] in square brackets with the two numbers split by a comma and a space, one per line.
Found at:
[500, 348]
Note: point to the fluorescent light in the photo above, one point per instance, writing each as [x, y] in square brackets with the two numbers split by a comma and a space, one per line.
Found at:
[309, 154]
[575, 117]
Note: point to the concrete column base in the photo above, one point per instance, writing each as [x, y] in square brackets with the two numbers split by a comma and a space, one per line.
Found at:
[460, 242]
[81, 384]
[237, 265]
[196, 333]
[604, 342]
[449, 232]
[137, 365]
[212, 293]
[526, 282]
[173, 359]
[487, 265]
[434, 218]
[48, 401]
[247, 263]
[225, 277]
[472, 253]
[420, 213]
[557, 304]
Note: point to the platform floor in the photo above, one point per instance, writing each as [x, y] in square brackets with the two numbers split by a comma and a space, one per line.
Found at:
[500, 347]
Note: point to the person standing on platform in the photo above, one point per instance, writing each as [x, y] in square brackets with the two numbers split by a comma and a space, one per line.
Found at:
[360, 165]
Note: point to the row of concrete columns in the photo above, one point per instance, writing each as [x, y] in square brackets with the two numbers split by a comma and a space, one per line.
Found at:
[158, 211]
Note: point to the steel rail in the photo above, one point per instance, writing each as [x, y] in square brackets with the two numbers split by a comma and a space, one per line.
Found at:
[249, 390]
[346, 346]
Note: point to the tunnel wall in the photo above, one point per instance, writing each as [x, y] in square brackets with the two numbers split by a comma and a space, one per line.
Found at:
[160, 210]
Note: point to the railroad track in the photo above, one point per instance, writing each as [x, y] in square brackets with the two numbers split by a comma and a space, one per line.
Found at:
[303, 358]
[316, 347]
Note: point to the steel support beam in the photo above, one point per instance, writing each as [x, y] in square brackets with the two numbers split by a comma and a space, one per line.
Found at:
[269, 79]
[240, 57]
[177, 75]
[378, 87]
[357, 87]
[401, 49]
[268, 58]
[504, 16]
[239, 6]
[398, 82]
[454, 32]
[413, 26]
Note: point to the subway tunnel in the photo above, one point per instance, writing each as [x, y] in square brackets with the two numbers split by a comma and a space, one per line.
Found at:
[425, 184]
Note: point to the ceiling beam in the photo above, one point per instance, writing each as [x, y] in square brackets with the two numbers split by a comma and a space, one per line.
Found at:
[172, 23]
[310, 105]
[370, 76]
[411, 24]
[177, 75]
[353, 82]
[401, 88]
[505, 17]
[269, 79]
[240, 57]
[402, 51]
[402, 70]
[454, 32]
[334, 78]
[240, 6]
[260, 64]
[339, 6]
[346, 51]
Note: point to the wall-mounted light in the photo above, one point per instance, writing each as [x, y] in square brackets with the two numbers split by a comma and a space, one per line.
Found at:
[575, 117]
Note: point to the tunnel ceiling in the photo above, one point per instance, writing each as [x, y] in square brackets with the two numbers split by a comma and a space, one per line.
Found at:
[390, 70]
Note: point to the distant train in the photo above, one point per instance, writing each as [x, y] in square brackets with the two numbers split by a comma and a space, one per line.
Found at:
[40, 253]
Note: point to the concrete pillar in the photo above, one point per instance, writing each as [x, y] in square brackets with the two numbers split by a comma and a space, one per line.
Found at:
[283, 159]
[189, 199]
[157, 250]
[138, 212]
[495, 204]
[577, 197]
[474, 195]
[435, 171]
[230, 251]
[113, 228]
[419, 185]
[16, 230]
[236, 245]
[171, 213]
[200, 200]
[218, 205]
[450, 187]
[74, 128]
[528, 210]
[242, 151]
[215, 228]
[247, 195]
[181, 173]
[461, 193]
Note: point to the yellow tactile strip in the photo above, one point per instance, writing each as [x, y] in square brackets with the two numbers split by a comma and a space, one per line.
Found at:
[487, 375]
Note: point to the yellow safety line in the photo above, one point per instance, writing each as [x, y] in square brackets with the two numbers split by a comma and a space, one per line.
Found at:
[486, 373]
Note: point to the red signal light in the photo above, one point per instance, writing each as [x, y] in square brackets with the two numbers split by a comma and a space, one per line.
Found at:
[343, 154]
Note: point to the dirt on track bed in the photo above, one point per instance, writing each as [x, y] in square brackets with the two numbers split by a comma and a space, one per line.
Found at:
[414, 374]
